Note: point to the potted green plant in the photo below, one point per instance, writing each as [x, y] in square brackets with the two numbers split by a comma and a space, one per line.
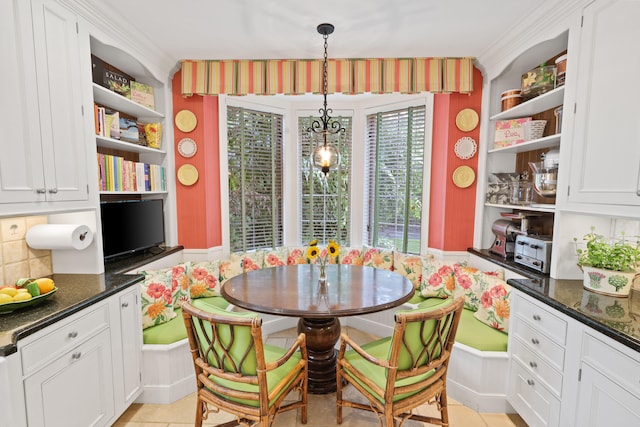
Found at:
[609, 265]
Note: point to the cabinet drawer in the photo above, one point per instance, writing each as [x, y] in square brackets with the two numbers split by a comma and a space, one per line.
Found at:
[537, 366]
[59, 340]
[531, 399]
[538, 342]
[543, 319]
[617, 366]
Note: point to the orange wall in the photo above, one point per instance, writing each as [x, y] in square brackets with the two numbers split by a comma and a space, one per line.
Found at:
[199, 223]
[452, 208]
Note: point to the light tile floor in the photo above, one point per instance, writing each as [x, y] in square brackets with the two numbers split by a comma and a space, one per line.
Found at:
[321, 411]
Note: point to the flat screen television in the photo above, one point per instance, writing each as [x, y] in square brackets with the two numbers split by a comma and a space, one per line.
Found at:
[132, 226]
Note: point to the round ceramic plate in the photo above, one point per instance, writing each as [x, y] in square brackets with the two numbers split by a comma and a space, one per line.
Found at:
[12, 306]
[187, 147]
[186, 121]
[467, 120]
[187, 174]
[465, 148]
[463, 176]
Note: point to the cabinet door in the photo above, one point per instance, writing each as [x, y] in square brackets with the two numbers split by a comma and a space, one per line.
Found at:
[131, 336]
[603, 402]
[606, 144]
[57, 55]
[75, 389]
[21, 167]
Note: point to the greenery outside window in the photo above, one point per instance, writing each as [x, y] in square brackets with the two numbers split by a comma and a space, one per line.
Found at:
[394, 165]
[325, 202]
[255, 157]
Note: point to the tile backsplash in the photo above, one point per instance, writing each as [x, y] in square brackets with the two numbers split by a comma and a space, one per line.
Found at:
[16, 258]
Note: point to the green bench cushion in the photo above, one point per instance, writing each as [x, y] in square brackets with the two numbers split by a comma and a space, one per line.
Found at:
[174, 330]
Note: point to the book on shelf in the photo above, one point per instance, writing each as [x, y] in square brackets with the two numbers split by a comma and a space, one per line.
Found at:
[110, 77]
[119, 174]
[143, 94]
[128, 128]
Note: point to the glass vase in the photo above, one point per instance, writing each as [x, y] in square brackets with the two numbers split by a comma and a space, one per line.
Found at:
[322, 276]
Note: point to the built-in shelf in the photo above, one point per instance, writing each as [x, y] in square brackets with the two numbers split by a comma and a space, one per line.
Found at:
[139, 193]
[116, 144]
[533, 106]
[104, 96]
[533, 208]
[534, 144]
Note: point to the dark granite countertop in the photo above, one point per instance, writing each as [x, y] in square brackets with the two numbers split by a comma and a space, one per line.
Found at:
[615, 317]
[75, 292]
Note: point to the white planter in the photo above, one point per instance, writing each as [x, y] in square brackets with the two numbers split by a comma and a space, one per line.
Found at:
[608, 282]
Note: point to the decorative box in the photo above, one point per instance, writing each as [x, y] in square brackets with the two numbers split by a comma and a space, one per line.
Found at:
[510, 132]
[142, 94]
[538, 81]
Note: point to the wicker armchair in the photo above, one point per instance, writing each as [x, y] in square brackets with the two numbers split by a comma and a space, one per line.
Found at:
[398, 373]
[237, 373]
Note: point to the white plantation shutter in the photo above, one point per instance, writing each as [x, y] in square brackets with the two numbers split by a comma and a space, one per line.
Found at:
[325, 203]
[255, 153]
[394, 168]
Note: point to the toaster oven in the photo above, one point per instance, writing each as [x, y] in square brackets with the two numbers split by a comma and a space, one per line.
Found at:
[533, 252]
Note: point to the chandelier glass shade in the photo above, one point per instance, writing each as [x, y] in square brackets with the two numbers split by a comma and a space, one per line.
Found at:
[325, 132]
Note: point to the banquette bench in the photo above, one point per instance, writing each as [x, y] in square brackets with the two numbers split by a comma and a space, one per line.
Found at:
[477, 372]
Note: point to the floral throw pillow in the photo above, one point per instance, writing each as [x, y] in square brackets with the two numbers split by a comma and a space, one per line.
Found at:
[204, 279]
[410, 266]
[378, 258]
[494, 309]
[469, 284]
[437, 278]
[297, 256]
[230, 267]
[351, 256]
[276, 257]
[252, 261]
[156, 298]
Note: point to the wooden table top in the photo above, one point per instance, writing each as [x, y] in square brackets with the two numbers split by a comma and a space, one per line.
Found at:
[293, 290]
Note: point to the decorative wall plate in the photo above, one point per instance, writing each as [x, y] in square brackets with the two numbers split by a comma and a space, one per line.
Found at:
[465, 148]
[187, 147]
[467, 120]
[186, 121]
[463, 176]
[187, 174]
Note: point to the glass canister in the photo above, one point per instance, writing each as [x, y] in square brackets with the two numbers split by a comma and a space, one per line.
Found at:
[520, 192]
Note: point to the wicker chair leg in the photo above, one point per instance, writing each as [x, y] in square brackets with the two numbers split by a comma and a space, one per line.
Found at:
[338, 399]
[199, 412]
[444, 412]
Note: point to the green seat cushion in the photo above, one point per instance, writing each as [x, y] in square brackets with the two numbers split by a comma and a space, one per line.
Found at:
[166, 333]
[417, 298]
[174, 330]
[478, 335]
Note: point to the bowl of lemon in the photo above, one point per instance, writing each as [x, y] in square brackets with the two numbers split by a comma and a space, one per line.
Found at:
[26, 293]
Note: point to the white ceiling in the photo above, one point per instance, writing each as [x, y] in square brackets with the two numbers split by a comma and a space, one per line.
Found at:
[282, 29]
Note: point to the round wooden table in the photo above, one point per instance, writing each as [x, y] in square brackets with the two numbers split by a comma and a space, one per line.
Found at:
[293, 290]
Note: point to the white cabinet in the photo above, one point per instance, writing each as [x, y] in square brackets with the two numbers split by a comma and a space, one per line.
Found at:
[129, 348]
[43, 155]
[605, 165]
[537, 343]
[609, 389]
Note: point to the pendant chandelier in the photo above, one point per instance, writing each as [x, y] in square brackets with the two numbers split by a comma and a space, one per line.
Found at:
[325, 155]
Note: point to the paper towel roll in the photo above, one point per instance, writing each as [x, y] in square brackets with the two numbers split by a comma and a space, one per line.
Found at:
[59, 236]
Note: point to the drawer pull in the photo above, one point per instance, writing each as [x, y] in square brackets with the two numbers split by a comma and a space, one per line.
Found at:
[533, 364]
[73, 334]
[536, 317]
[530, 382]
[535, 341]
[125, 304]
[77, 355]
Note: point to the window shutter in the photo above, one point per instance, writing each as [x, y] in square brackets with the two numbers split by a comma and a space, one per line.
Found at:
[255, 153]
[325, 202]
[394, 168]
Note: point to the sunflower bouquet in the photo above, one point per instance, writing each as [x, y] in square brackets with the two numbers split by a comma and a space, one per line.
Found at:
[321, 257]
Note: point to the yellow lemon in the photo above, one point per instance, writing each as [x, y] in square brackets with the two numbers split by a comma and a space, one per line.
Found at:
[22, 296]
[23, 290]
[8, 291]
[45, 284]
[5, 298]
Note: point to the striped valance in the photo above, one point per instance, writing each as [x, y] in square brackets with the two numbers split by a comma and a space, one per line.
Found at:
[349, 76]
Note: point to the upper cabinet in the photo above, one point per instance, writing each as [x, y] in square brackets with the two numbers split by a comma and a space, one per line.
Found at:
[43, 157]
[605, 165]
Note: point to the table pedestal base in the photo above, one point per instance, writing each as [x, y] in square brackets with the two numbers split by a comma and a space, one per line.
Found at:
[322, 336]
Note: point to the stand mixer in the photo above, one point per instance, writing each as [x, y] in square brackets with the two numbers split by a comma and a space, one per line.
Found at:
[545, 174]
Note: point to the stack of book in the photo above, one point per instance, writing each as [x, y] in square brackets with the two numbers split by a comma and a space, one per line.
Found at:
[119, 174]
[113, 124]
